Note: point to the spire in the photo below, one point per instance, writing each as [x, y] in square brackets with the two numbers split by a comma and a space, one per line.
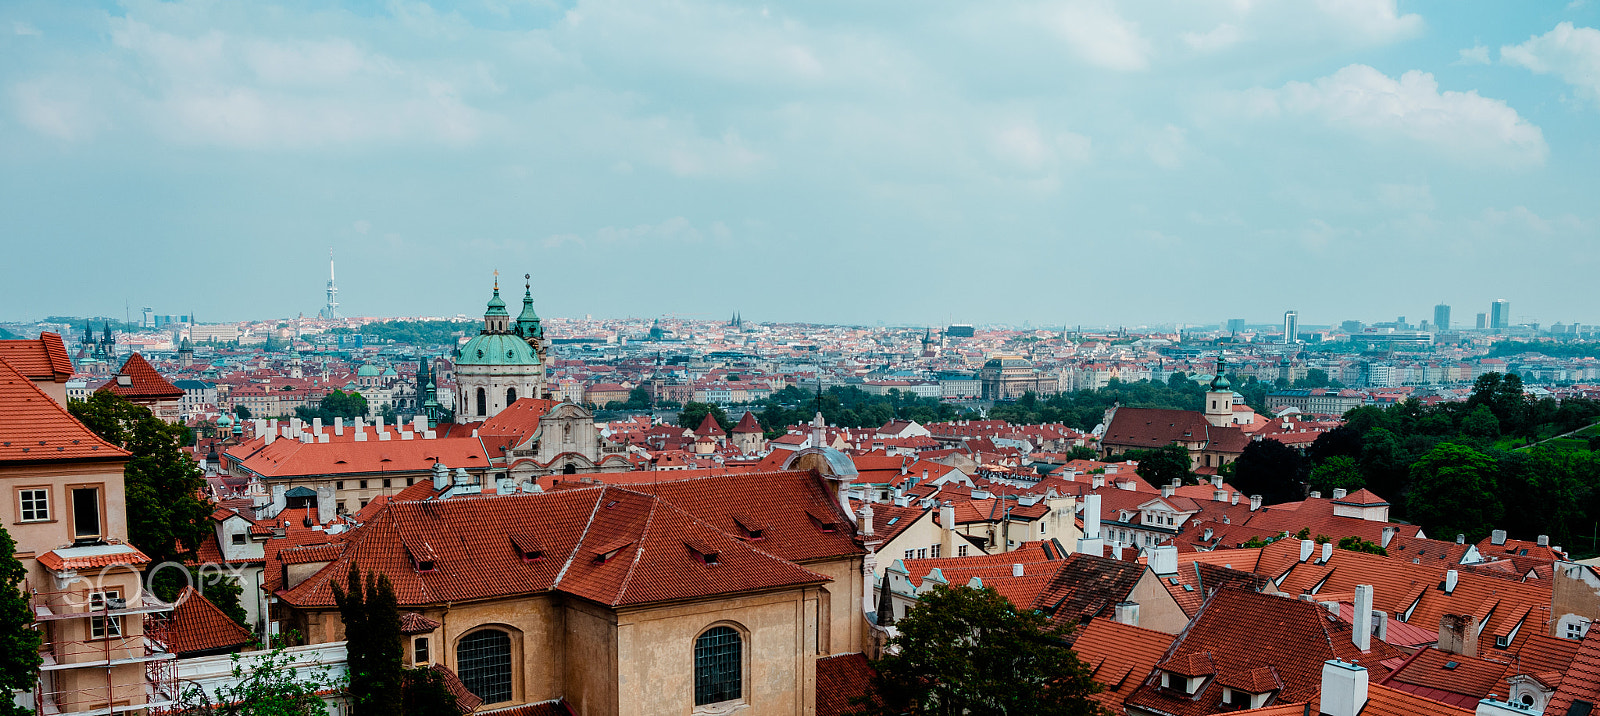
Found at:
[528, 320]
[885, 602]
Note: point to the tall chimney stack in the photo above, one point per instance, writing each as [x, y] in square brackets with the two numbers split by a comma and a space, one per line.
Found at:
[1361, 618]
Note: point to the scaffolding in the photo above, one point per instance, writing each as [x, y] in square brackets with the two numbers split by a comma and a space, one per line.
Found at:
[81, 637]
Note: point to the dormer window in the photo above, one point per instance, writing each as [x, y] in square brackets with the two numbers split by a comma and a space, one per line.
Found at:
[703, 554]
[528, 546]
[824, 521]
[606, 552]
[752, 529]
[422, 558]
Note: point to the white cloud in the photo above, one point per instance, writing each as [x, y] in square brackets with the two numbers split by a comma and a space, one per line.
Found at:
[1168, 147]
[1220, 37]
[362, 226]
[23, 28]
[1573, 53]
[1377, 21]
[1406, 197]
[1476, 55]
[1464, 126]
[57, 109]
[1100, 36]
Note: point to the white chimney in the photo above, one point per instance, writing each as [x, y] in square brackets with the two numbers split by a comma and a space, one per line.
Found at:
[1327, 552]
[360, 435]
[1164, 559]
[1490, 707]
[1388, 534]
[1091, 516]
[407, 435]
[1315, 495]
[1450, 579]
[1255, 502]
[1235, 499]
[864, 520]
[379, 424]
[1544, 540]
[441, 474]
[1166, 490]
[1207, 535]
[1306, 548]
[316, 426]
[384, 436]
[1220, 495]
[270, 437]
[338, 426]
[1097, 481]
[947, 515]
[1116, 551]
[505, 486]
[1344, 688]
[419, 425]
[1361, 618]
[463, 478]
[1497, 537]
[1216, 481]
[1339, 493]
[1461, 539]
[1016, 570]
[322, 438]
[1127, 613]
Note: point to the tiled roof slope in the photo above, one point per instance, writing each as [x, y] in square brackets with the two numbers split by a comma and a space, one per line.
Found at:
[287, 457]
[783, 501]
[1155, 427]
[34, 427]
[1241, 630]
[146, 382]
[1582, 680]
[42, 358]
[606, 544]
[1449, 678]
[1086, 586]
[198, 625]
[841, 680]
[556, 707]
[519, 419]
[1120, 657]
[466, 701]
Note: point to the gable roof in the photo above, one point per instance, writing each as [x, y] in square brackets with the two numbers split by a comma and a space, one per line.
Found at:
[143, 381]
[42, 358]
[35, 428]
[841, 679]
[1155, 427]
[747, 424]
[1087, 586]
[199, 625]
[1582, 680]
[1120, 656]
[709, 428]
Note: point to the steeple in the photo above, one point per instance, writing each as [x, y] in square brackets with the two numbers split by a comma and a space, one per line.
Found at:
[495, 317]
[528, 321]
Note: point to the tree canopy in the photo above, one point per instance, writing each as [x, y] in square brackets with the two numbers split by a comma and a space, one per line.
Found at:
[1453, 491]
[1161, 466]
[19, 640]
[1271, 469]
[970, 651]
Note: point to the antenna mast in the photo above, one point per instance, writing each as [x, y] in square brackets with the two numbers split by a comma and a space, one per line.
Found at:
[330, 311]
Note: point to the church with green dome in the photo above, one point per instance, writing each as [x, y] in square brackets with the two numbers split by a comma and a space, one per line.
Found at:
[504, 362]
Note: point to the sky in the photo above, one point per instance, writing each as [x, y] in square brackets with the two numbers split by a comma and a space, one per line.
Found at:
[905, 161]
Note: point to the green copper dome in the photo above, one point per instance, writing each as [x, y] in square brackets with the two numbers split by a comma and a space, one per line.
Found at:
[1221, 381]
[497, 307]
[497, 349]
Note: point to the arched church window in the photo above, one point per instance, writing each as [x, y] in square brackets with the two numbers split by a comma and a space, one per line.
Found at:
[566, 433]
[718, 666]
[483, 402]
[570, 469]
[483, 659]
[511, 396]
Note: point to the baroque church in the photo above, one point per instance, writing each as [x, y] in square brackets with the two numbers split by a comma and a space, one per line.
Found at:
[504, 362]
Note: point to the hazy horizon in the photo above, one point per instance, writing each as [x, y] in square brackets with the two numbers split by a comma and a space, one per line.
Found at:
[1083, 162]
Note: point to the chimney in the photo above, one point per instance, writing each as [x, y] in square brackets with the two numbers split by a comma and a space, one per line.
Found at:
[1306, 548]
[1344, 688]
[1388, 534]
[1216, 481]
[1315, 495]
[1327, 553]
[505, 486]
[1220, 495]
[864, 520]
[1127, 613]
[1544, 540]
[419, 425]
[1361, 618]
[947, 516]
[1097, 481]
[338, 425]
[441, 475]
[1164, 559]
[1497, 537]
[316, 426]
[1091, 516]
[1016, 570]
[1339, 493]
[1451, 577]
[1166, 490]
[1206, 536]
[1458, 634]
[1461, 539]
[271, 436]
[1116, 551]
[1255, 502]
[1235, 499]
[379, 425]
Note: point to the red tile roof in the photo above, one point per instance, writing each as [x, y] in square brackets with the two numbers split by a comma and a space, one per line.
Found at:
[747, 424]
[1120, 655]
[34, 427]
[92, 557]
[1582, 679]
[200, 626]
[844, 684]
[466, 701]
[414, 623]
[554, 707]
[42, 358]
[144, 381]
[709, 428]
[287, 457]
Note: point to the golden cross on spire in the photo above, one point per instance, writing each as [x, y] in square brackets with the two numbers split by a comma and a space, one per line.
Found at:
[497, 279]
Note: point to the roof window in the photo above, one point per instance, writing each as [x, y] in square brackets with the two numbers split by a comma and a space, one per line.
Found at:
[606, 552]
[703, 554]
[824, 521]
[528, 546]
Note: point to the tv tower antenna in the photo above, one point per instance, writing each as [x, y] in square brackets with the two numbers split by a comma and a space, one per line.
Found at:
[330, 311]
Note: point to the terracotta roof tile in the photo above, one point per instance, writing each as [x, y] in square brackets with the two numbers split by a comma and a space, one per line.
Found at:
[466, 701]
[1582, 679]
[1121, 656]
[199, 626]
[144, 381]
[844, 684]
[73, 558]
[42, 358]
[34, 427]
[414, 623]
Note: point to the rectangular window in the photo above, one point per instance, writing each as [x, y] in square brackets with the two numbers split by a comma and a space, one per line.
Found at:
[238, 539]
[409, 481]
[338, 485]
[935, 550]
[35, 504]
[105, 627]
[363, 484]
[961, 550]
[86, 512]
[364, 504]
[420, 654]
[911, 554]
[922, 554]
[385, 482]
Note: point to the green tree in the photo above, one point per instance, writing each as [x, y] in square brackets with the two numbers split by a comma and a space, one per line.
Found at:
[694, 413]
[372, 643]
[225, 592]
[1081, 452]
[1160, 466]
[1481, 423]
[166, 516]
[970, 651]
[273, 684]
[1453, 492]
[1271, 469]
[19, 640]
[427, 694]
[1357, 544]
[242, 412]
[1337, 472]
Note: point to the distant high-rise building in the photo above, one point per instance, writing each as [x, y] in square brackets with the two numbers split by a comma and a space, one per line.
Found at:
[1441, 317]
[1235, 325]
[1483, 321]
[1500, 314]
[1350, 326]
[1291, 326]
[330, 311]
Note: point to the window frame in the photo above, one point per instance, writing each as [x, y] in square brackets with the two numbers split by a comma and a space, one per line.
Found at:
[98, 626]
[512, 639]
[742, 639]
[100, 500]
[420, 653]
[22, 502]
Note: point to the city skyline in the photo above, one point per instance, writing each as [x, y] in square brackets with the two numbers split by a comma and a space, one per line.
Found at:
[806, 162]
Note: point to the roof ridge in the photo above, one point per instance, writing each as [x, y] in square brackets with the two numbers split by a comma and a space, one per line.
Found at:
[638, 552]
[576, 546]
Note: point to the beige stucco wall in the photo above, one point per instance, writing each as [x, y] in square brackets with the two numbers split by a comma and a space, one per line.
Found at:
[847, 622]
[1158, 611]
[35, 538]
